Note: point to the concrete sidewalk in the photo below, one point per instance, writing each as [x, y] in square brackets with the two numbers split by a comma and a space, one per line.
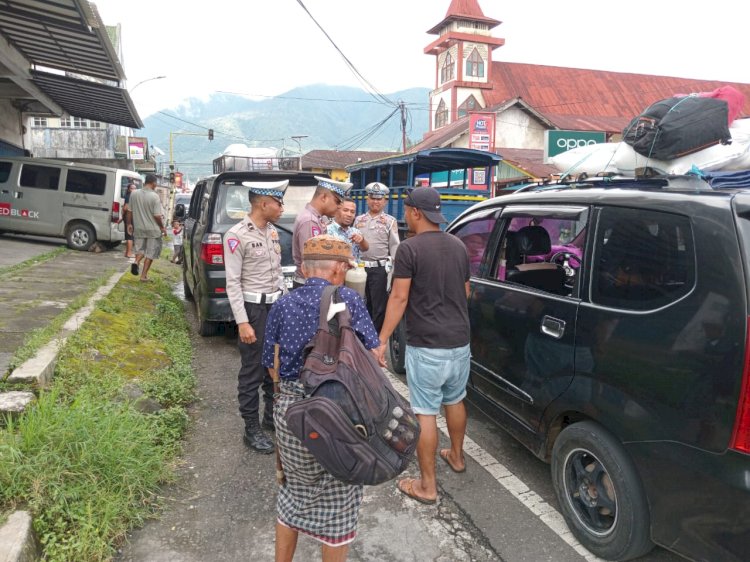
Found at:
[32, 297]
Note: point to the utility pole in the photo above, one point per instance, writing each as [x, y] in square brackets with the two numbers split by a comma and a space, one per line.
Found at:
[403, 126]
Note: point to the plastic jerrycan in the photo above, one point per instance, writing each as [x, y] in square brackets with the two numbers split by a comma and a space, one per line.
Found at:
[356, 278]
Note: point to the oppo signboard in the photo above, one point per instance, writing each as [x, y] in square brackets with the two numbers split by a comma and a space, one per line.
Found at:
[556, 141]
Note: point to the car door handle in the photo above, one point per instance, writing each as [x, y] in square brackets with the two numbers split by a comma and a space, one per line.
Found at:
[5, 192]
[553, 327]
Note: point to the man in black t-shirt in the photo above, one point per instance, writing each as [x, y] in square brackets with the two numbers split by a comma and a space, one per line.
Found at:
[430, 286]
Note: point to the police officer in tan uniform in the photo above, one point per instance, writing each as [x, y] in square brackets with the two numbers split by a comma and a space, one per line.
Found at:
[381, 232]
[312, 221]
[252, 257]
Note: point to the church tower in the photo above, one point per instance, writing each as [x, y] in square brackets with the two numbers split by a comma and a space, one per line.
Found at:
[463, 62]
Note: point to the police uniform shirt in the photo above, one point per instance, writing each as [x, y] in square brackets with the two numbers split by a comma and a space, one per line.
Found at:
[381, 232]
[308, 223]
[252, 259]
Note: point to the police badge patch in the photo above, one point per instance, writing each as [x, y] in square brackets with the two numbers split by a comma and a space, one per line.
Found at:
[233, 243]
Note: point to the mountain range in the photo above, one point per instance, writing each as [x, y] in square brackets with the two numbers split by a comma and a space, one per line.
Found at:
[327, 117]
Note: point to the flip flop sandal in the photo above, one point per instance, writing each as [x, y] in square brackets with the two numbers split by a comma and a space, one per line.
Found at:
[406, 487]
[134, 268]
[444, 455]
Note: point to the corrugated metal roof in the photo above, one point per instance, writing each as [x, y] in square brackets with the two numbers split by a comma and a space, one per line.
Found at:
[66, 35]
[339, 159]
[73, 60]
[88, 99]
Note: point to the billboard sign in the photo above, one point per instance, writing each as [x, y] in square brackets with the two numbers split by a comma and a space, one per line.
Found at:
[481, 137]
[557, 142]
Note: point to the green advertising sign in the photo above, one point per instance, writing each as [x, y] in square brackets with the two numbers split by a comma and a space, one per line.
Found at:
[556, 142]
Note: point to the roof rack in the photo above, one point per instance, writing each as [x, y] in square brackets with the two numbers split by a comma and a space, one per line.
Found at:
[685, 182]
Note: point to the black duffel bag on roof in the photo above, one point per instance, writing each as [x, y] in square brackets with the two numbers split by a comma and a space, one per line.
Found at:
[674, 127]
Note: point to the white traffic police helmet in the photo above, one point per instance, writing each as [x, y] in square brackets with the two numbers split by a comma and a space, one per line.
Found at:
[376, 190]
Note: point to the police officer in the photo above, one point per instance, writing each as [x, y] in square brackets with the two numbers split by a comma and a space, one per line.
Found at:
[381, 231]
[252, 257]
[312, 221]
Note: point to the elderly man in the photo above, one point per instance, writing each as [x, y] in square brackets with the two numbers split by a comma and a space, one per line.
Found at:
[310, 500]
[313, 219]
[252, 254]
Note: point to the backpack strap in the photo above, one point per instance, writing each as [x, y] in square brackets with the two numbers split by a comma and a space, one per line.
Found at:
[325, 302]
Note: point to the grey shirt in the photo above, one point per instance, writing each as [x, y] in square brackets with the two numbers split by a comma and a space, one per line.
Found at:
[381, 233]
[308, 223]
[145, 205]
[252, 259]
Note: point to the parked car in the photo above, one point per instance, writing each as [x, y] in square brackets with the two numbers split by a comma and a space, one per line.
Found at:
[219, 202]
[610, 337]
[184, 200]
[79, 202]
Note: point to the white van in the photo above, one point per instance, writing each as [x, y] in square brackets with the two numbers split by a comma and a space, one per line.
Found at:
[79, 202]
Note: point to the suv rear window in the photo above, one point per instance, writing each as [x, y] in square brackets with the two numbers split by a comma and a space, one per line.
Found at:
[642, 259]
[232, 202]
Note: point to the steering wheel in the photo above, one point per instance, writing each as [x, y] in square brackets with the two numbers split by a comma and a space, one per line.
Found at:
[570, 262]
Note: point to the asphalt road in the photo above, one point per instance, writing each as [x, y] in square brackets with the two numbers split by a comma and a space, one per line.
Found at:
[17, 248]
[222, 506]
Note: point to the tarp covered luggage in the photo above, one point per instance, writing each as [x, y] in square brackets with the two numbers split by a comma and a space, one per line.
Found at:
[677, 126]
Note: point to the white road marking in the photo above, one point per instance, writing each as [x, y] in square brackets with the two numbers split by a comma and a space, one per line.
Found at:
[533, 502]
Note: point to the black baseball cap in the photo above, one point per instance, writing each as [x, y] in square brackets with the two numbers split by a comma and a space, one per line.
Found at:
[427, 200]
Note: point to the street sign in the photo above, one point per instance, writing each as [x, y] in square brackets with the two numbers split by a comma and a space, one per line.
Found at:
[556, 142]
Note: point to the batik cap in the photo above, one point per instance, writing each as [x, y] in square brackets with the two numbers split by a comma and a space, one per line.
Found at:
[327, 247]
[340, 188]
[275, 189]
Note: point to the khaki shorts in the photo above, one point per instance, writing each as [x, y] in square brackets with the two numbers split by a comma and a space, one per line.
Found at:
[149, 247]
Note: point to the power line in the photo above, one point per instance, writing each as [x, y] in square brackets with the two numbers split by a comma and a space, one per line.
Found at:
[351, 66]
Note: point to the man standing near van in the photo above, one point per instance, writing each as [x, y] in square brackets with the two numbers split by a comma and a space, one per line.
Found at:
[146, 225]
[431, 285]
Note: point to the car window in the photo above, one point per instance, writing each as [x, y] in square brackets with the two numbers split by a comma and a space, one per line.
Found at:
[5, 171]
[88, 183]
[231, 203]
[475, 235]
[642, 259]
[40, 177]
[543, 251]
[195, 201]
[125, 181]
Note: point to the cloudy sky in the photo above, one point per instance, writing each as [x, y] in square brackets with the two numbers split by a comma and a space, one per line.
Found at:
[267, 47]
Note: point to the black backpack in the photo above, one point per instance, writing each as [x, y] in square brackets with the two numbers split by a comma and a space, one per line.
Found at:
[351, 420]
[678, 126]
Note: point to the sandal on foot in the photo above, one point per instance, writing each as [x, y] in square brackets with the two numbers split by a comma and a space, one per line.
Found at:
[444, 455]
[134, 268]
[406, 487]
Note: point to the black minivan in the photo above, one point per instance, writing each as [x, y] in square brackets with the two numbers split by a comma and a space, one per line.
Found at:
[218, 203]
[610, 337]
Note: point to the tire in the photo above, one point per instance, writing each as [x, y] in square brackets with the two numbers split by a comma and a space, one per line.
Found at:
[600, 493]
[397, 349]
[205, 329]
[80, 236]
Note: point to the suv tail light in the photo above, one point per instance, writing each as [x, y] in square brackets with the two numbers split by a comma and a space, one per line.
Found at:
[741, 434]
[212, 249]
[116, 212]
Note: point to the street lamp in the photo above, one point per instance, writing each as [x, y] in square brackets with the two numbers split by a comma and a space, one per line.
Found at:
[146, 80]
[297, 138]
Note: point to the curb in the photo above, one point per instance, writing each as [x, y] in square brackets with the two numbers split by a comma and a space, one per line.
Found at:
[18, 543]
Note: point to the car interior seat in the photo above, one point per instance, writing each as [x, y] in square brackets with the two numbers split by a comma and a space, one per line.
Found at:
[532, 241]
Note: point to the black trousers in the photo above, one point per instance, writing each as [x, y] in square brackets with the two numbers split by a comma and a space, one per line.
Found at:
[252, 373]
[377, 294]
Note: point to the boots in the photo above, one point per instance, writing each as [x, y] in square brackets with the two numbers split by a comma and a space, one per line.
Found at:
[257, 440]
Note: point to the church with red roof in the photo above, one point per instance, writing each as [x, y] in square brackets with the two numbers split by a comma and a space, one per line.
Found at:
[528, 100]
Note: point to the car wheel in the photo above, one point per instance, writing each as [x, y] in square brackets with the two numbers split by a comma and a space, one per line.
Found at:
[205, 329]
[80, 236]
[600, 493]
[397, 349]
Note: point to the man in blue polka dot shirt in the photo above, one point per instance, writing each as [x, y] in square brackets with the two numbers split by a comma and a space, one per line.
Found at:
[310, 500]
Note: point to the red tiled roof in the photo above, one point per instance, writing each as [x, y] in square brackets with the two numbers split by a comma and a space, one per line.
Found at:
[575, 92]
[339, 159]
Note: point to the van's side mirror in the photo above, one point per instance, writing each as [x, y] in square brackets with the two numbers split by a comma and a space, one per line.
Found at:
[179, 211]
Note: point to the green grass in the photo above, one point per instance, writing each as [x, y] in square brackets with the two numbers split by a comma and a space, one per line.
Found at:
[32, 261]
[83, 460]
